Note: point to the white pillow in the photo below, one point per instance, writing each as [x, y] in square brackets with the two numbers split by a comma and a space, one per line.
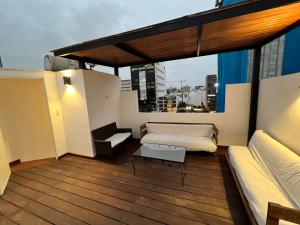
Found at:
[283, 163]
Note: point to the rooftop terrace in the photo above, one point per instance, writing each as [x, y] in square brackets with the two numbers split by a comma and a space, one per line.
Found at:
[54, 122]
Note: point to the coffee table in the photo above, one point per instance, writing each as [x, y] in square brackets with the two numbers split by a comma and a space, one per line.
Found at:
[168, 154]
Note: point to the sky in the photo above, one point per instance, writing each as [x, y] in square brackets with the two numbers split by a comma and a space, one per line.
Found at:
[30, 29]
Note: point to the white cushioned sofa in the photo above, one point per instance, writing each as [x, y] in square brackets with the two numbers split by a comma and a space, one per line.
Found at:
[195, 137]
[267, 172]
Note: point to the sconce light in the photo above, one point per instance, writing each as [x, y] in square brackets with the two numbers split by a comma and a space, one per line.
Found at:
[67, 81]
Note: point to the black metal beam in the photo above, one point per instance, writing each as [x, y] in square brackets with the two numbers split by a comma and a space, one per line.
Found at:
[88, 60]
[190, 55]
[82, 65]
[193, 55]
[116, 71]
[254, 92]
[132, 51]
[197, 19]
[280, 33]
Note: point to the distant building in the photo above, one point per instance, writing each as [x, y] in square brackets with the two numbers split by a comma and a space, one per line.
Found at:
[211, 81]
[186, 88]
[166, 101]
[126, 85]
[198, 96]
[150, 82]
[271, 59]
[199, 87]
[160, 80]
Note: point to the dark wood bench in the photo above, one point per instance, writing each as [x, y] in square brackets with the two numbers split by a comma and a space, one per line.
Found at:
[117, 139]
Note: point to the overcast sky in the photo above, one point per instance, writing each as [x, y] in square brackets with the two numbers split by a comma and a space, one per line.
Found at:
[31, 28]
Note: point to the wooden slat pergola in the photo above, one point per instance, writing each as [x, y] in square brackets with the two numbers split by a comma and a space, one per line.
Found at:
[248, 25]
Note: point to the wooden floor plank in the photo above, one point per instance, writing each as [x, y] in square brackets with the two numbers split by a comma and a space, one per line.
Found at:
[125, 184]
[117, 189]
[150, 213]
[198, 213]
[6, 221]
[60, 205]
[233, 195]
[42, 211]
[75, 190]
[18, 215]
[173, 173]
[112, 212]
[152, 180]
[161, 174]
[86, 171]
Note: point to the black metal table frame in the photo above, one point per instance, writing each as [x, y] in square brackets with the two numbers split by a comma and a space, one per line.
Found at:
[182, 165]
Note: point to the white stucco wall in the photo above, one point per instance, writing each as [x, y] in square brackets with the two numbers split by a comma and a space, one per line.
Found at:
[279, 109]
[94, 99]
[232, 125]
[24, 119]
[75, 113]
[103, 98]
[55, 113]
[4, 165]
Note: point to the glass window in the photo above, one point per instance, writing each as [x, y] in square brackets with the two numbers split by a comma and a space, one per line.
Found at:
[142, 80]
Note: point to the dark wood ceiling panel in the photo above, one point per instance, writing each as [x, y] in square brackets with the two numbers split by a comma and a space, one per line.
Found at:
[180, 42]
[110, 55]
[247, 30]
[236, 27]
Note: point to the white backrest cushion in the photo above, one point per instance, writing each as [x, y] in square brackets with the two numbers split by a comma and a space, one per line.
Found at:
[283, 163]
[197, 130]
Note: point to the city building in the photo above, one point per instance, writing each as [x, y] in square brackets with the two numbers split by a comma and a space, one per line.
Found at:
[194, 97]
[150, 82]
[166, 102]
[198, 96]
[211, 83]
[279, 57]
[126, 85]
[271, 59]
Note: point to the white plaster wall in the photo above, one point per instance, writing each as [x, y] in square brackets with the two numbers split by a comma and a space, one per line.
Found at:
[4, 165]
[55, 112]
[24, 119]
[232, 125]
[21, 74]
[279, 109]
[103, 98]
[75, 114]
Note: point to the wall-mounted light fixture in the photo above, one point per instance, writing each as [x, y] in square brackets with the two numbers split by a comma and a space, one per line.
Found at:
[67, 81]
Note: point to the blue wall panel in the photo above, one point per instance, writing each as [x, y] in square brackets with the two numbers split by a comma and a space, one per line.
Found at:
[291, 59]
[232, 69]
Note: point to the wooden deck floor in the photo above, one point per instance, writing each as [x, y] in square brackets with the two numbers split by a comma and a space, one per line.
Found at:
[74, 191]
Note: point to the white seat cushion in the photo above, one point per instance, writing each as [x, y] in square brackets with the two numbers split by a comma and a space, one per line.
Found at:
[118, 138]
[190, 142]
[258, 187]
[279, 161]
[194, 130]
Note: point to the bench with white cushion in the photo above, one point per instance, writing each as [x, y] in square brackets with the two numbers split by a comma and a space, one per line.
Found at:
[195, 137]
[267, 172]
[108, 140]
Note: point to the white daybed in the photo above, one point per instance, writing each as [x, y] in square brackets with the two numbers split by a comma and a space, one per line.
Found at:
[268, 177]
[193, 136]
